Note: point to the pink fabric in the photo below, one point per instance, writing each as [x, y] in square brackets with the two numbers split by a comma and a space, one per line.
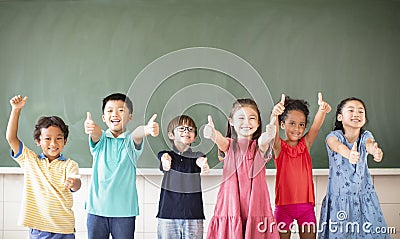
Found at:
[243, 208]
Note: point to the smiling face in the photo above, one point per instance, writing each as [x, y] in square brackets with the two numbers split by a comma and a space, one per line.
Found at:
[352, 115]
[52, 142]
[182, 136]
[116, 115]
[294, 126]
[245, 122]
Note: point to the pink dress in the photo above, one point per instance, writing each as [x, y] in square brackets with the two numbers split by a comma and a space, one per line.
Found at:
[243, 208]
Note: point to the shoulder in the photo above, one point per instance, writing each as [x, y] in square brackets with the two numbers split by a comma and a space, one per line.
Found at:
[337, 134]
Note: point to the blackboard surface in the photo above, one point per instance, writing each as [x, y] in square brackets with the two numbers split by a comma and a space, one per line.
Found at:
[196, 57]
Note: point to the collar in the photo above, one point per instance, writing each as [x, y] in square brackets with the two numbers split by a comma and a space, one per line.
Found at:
[42, 156]
[121, 136]
[188, 153]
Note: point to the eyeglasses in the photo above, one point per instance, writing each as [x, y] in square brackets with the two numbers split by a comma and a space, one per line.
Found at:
[183, 128]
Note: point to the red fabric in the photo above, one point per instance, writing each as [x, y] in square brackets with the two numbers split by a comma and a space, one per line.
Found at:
[294, 183]
[243, 208]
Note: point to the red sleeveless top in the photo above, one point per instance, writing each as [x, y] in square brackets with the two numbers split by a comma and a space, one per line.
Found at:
[294, 183]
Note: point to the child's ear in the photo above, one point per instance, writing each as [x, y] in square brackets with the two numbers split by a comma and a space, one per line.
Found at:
[65, 141]
[37, 142]
[339, 117]
[282, 125]
[230, 121]
[171, 136]
[130, 116]
[103, 118]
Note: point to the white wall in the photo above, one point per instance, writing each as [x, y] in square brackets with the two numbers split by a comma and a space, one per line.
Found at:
[11, 182]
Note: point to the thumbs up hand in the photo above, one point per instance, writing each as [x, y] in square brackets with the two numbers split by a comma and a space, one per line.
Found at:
[166, 161]
[152, 127]
[377, 153]
[17, 102]
[203, 164]
[354, 154]
[280, 107]
[209, 130]
[323, 106]
[89, 124]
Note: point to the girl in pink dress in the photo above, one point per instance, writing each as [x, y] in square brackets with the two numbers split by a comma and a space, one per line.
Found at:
[243, 208]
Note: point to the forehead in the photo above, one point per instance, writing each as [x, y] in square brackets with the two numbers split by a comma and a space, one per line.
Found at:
[245, 111]
[296, 115]
[115, 104]
[52, 130]
[353, 104]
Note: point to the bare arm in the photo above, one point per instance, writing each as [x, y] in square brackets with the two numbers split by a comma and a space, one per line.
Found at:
[319, 118]
[17, 103]
[276, 111]
[211, 133]
[351, 154]
[142, 131]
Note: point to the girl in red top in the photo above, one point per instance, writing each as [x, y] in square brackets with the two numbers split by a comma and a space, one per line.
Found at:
[294, 187]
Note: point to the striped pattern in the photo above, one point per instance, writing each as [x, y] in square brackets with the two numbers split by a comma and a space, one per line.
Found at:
[47, 203]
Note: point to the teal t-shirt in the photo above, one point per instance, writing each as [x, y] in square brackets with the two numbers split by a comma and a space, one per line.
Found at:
[112, 191]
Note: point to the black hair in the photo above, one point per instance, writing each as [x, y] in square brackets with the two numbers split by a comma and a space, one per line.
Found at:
[118, 96]
[339, 108]
[294, 104]
[46, 122]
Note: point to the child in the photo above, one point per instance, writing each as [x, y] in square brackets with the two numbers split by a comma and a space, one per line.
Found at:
[180, 211]
[351, 197]
[49, 177]
[294, 189]
[112, 205]
[243, 208]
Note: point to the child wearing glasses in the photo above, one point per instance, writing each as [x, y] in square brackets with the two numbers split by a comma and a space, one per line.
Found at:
[180, 211]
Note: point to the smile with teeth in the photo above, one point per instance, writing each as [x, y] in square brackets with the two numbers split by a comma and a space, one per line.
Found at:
[115, 122]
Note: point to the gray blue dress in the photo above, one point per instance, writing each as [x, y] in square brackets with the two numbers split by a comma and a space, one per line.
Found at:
[351, 207]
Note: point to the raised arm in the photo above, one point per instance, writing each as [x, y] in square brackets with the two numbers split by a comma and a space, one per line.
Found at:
[17, 103]
[211, 133]
[276, 111]
[91, 128]
[265, 139]
[142, 131]
[319, 118]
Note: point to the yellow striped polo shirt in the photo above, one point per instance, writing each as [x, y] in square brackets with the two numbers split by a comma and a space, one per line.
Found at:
[47, 203]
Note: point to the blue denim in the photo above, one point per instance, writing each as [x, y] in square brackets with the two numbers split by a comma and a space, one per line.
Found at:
[119, 227]
[180, 228]
[37, 234]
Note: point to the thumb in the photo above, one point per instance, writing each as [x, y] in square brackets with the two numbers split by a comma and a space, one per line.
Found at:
[320, 98]
[152, 119]
[210, 121]
[283, 97]
[354, 148]
[25, 98]
[88, 116]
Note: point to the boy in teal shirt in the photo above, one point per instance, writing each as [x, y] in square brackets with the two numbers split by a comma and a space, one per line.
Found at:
[112, 205]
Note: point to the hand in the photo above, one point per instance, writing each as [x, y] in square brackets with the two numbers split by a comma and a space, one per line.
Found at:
[354, 155]
[17, 102]
[269, 134]
[166, 161]
[377, 153]
[89, 124]
[73, 182]
[152, 127]
[203, 164]
[323, 106]
[280, 107]
[209, 130]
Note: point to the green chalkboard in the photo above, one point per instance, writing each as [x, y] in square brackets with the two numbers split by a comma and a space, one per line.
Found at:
[196, 57]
